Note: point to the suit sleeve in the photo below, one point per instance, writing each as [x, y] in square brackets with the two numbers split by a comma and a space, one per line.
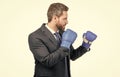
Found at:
[76, 53]
[42, 54]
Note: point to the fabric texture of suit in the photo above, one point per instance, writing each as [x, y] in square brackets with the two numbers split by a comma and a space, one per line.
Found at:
[49, 57]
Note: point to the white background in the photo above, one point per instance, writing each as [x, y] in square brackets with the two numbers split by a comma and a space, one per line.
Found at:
[18, 18]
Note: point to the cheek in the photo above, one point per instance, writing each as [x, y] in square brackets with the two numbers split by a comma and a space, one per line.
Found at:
[61, 22]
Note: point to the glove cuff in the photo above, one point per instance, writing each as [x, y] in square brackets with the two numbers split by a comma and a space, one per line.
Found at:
[65, 44]
[86, 45]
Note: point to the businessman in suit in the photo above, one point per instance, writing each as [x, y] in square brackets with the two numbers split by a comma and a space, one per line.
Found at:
[52, 46]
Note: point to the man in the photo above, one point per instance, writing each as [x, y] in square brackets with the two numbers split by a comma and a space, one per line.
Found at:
[52, 46]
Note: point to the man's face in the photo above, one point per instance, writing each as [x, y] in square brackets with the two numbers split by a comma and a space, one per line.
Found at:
[62, 21]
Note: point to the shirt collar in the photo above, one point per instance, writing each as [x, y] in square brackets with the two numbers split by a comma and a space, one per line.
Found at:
[52, 31]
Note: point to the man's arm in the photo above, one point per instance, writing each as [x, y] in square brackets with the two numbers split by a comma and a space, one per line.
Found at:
[88, 38]
[76, 53]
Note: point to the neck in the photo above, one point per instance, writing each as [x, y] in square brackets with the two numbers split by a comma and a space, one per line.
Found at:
[52, 26]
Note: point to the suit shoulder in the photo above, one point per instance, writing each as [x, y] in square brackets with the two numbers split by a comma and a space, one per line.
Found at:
[34, 35]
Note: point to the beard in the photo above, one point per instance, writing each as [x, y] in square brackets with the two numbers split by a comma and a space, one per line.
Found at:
[60, 27]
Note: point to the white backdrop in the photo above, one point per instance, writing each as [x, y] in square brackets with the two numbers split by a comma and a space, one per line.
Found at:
[18, 18]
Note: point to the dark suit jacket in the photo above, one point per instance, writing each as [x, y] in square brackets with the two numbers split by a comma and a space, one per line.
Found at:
[49, 57]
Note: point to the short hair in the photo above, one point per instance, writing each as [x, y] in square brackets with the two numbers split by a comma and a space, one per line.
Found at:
[56, 9]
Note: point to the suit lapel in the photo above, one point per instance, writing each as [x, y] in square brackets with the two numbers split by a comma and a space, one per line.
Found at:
[48, 34]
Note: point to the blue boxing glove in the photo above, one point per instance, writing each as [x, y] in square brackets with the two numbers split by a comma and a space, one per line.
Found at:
[88, 38]
[68, 37]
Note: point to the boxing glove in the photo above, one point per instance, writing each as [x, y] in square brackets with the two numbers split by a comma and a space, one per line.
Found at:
[68, 37]
[88, 38]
